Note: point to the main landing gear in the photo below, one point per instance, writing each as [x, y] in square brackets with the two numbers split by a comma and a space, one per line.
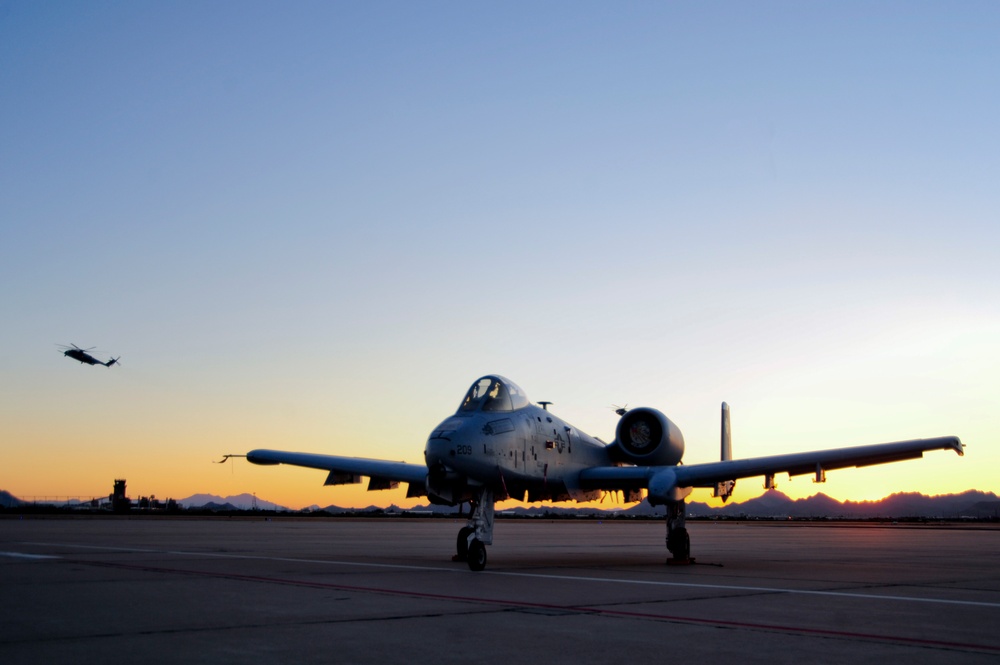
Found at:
[477, 532]
[678, 542]
[470, 546]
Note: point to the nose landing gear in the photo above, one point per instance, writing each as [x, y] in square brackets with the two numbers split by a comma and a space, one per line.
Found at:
[477, 533]
[462, 545]
[477, 555]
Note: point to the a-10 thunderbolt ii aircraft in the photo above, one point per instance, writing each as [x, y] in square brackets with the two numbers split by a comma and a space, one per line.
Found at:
[499, 445]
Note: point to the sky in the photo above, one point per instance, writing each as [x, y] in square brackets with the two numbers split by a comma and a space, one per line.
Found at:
[311, 226]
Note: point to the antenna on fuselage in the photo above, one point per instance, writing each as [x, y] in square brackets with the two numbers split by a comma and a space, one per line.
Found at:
[544, 405]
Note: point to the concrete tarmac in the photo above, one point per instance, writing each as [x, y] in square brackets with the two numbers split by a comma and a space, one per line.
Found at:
[298, 590]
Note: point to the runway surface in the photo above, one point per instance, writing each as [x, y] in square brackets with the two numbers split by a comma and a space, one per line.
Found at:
[214, 590]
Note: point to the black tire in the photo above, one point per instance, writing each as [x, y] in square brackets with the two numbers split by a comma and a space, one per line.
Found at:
[462, 544]
[680, 545]
[477, 556]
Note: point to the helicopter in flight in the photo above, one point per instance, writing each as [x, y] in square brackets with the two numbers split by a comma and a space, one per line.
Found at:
[76, 353]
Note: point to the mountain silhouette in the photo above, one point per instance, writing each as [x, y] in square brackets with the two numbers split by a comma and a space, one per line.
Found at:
[235, 502]
[8, 500]
[772, 504]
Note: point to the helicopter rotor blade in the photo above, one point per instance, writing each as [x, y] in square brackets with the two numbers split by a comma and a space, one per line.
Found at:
[77, 347]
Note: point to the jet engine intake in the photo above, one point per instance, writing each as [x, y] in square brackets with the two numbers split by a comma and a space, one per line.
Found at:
[646, 437]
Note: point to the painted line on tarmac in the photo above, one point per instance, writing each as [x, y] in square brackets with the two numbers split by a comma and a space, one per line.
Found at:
[755, 589]
[22, 555]
[251, 557]
[563, 578]
[528, 605]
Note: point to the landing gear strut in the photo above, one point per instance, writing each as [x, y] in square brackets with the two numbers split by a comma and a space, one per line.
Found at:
[678, 542]
[477, 532]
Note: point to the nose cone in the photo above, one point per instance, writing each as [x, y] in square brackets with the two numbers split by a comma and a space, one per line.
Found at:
[440, 447]
[436, 451]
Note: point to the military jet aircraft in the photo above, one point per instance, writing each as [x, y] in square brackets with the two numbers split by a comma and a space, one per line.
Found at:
[499, 445]
[76, 353]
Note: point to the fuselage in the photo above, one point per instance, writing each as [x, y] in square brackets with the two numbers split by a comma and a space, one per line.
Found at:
[82, 356]
[498, 439]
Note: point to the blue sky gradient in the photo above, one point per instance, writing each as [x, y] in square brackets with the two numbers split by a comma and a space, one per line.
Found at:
[312, 226]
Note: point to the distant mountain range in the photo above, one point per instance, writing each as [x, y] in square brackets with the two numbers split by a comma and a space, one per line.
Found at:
[235, 502]
[772, 504]
[8, 500]
[972, 503]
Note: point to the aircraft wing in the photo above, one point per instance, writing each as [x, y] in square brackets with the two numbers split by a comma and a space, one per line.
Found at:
[794, 464]
[349, 470]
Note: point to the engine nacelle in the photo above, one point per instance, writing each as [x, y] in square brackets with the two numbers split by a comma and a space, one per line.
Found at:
[646, 437]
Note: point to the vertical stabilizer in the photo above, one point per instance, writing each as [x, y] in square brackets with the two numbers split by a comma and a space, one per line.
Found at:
[727, 437]
[724, 490]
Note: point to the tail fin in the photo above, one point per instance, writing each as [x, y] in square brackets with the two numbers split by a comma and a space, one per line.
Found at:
[727, 436]
[111, 362]
[724, 490]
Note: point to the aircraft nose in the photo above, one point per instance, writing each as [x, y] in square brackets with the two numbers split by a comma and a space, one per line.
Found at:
[441, 443]
[438, 451]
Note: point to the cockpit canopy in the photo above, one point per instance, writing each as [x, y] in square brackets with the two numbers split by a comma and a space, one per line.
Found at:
[493, 393]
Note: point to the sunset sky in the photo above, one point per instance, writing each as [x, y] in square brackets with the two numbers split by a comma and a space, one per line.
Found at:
[310, 226]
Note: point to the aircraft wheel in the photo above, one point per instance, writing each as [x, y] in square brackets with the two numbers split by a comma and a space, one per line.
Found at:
[680, 545]
[477, 555]
[462, 545]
